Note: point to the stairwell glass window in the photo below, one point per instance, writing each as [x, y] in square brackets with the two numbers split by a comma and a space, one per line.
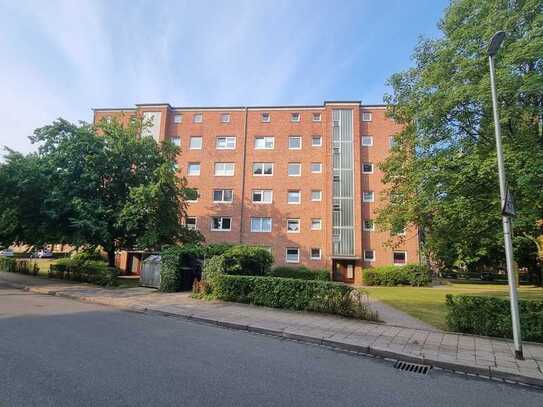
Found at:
[368, 225]
[190, 222]
[294, 169]
[317, 117]
[223, 196]
[316, 224]
[369, 255]
[295, 117]
[316, 168]
[265, 117]
[367, 141]
[399, 258]
[262, 196]
[292, 255]
[195, 143]
[316, 195]
[194, 169]
[225, 118]
[224, 169]
[178, 118]
[367, 168]
[264, 143]
[367, 196]
[293, 225]
[263, 169]
[294, 142]
[294, 197]
[176, 141]
[316, 141]
[261, 225]
[315, 253]
[221, 223]
[226, 143]
[366, 116]
[198, 118]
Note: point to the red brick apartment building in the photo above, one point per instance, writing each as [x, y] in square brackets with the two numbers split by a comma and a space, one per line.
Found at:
[302, 181]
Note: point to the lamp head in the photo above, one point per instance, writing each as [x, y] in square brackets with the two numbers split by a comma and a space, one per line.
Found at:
[495, 43]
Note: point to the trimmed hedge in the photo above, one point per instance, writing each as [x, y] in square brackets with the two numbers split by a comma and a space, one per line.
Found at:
[11, 265]
[301, 273]
[174, 261]
[410, 274]
[491, 316]
[84, 271]
[288, 293]
[247, 260]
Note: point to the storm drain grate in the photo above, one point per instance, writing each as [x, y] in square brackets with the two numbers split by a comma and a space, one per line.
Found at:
[412, 367]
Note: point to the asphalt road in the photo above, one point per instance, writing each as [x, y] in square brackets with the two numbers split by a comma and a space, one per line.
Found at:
[58, 352]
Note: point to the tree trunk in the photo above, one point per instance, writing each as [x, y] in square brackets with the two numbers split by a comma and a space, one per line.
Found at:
[111, 257]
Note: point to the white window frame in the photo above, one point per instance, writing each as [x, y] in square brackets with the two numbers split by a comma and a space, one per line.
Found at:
[366, 199]
[319, 170]
[368, 138]
[295, 117]
[295, 221]
[262, 194]
[293, 138]
[367, 172]
[299, 174]
[313, 141]
[225, 173]
[261, 221]
[176, 141]
[198, 117]
[311, 253]
[366, 258]
[366, 229]
[178, 118]
[191, 164]
[265, 117]
[320, 195]
[226, 140]
[225, 117]
[399, 251]
[317, 117]
[194, 138]
[299, 196]
[221, 220]
[265, 139]
[222, 195]
[367, 116]
[195, 227]
[297, 256]
[262, 165]
[314, 220]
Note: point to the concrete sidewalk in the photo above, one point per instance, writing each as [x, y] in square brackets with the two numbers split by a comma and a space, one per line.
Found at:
[488, 357]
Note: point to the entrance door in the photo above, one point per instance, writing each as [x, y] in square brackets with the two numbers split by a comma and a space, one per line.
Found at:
[344, 270]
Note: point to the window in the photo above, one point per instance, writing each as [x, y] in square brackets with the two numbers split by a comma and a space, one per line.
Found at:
[194, 169]
[108, 119]
[292, 255]
[192, 195]
[176, 167]
[225, 118]
[263, 169]
[399, 257]
[190, 222]
[224, 169]
[368, 225]
[315, 253]
[195, 143]
[223, 195]
[316, 168]
[398, 230]
[367, 168]
[293, 225]
[366, 116]
[176, 141]
[316, 195]
[178, 118]
[198, 118]
[264, 143]
[317, 117]
[336, 178]
[265, 117]
[367, 196]
[295, 117]
[294, 169]
[316, 224]
[294, 142]
[262, 196]
[391, 142]
[261, 225]
[367, 141]
[132, 119]
[221, 223]
[316, 141]
[293, 197]
[369, 255]
[226, 143]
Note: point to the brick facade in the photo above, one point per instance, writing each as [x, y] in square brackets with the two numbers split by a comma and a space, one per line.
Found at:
[306, 122]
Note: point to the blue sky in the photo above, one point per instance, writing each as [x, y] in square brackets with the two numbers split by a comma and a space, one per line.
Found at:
[62, 58]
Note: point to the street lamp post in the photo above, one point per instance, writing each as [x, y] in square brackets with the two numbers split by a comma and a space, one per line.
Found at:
[493, 47]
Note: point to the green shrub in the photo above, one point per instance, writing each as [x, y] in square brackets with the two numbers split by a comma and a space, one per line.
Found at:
[491, 316]
[13, 265]
[410, 274]
[8, 264]
[84, 271]
[288, 293]
[88, 254]
[301, 273]
[247, 260]
[213, 267]
[216, 249]
[174, 261]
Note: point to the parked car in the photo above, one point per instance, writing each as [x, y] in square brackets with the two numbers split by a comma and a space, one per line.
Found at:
[7, 253]
[44, 254]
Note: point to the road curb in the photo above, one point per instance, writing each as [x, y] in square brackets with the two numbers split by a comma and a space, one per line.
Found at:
[485, 372]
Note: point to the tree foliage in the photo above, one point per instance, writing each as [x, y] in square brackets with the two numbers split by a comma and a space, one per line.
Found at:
[442, 172]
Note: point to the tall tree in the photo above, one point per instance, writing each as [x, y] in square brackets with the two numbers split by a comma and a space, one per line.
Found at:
[442, 172]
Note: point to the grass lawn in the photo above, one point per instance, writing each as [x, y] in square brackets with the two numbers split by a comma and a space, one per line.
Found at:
[428, 303]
